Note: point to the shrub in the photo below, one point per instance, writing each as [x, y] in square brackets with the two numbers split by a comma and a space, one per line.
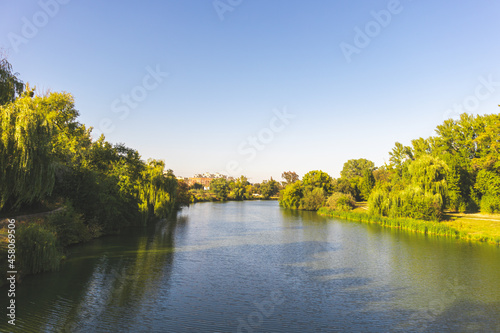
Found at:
[291, 195]
[415, 203]
[313, 199]
[488, 183]
[379, 203]
[68, 226]
[412, 202]
[341, 202]
[490, 204]
[37, 249]
[462, 207]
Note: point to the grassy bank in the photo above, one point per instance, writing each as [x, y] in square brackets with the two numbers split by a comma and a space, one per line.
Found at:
[37, 247]
[457, 227]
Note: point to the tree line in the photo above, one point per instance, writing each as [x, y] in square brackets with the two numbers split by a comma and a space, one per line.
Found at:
[222, 189]
[49, 159]
[458, 169]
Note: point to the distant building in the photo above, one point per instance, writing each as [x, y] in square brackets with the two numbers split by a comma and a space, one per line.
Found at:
[218, 175]
[204, 179]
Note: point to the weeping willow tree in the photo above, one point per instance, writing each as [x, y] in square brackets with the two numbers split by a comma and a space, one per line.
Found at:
[423, 196]
[26, 164]
[10, 85]
[429, 173]
[157, 191]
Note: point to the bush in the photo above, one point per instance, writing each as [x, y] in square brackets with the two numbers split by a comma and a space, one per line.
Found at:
[313, 199]
[291, 195]
[462, 208]
[415, 203]
[68, 226]
[341, 202]
[412, 202]
[37, 249]
[490, 204]
[379, 203]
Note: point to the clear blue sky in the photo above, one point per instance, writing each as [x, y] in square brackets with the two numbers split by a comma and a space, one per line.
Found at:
[231, 68]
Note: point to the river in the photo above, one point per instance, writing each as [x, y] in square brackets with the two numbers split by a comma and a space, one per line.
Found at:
[255, 267]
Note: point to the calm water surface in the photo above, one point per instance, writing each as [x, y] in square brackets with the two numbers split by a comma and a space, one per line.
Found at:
[254, 267]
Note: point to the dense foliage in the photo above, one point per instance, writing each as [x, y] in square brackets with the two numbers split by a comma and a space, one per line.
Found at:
[228, 188]
[10, 85]
[269, 188]
[458, 169]
[47, 156]
[341, 202]
[37, 249]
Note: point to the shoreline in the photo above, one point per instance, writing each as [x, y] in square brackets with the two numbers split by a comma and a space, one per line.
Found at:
[420, 226]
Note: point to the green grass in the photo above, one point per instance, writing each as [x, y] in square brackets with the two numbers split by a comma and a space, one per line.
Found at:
[477, 225]
[361, 207]
[462, 227]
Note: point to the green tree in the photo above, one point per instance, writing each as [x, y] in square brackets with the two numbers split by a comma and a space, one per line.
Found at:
[488, 182]
[383, 176]
[420, 147]
[399, 157]
[291, 195]
[341, 202]
[238, 189]
[355, 168]
[183, 198]
[455, 200]
[456, 168]
[312, 199]
[27, 168]
[249, 191]
[429, 173]
[457, 137]
[10, 86]
[366, 185]
[290, 177]
[220, 187]
[269, 188]
[318, 178]
[157, 191]
[488, 185]
[423, 197]
[343, 185]
[488, 145]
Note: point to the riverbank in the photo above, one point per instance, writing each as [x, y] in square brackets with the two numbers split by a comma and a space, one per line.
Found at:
[22, 221]
[208, 196]
[178, 276]
[459, 226]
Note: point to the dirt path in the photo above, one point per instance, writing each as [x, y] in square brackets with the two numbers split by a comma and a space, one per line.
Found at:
[23, 218]
[476, 216]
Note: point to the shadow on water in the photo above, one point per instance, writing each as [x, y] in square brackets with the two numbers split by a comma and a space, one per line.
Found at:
[458, 316]
[216, 267]
[101, 279]
[307, 217]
